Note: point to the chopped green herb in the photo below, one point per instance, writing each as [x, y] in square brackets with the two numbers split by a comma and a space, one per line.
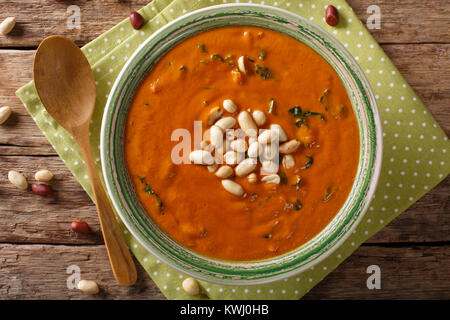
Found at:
[201, 47]
[283, 178]
[301, 115]
[182, 68]
[148, 189]
[272, 109]
[309, 163]
[263, 72]
[228, 56]
[262, 54]
[328, 194]
[249, 59]
[298, 205]
[218, 57]
[322, 99]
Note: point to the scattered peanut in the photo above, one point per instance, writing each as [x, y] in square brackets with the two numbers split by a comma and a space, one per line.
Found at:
[246, 122]
[214, 114]
[269, 167]
[80, 227]
[43, 175]
[216, 137]
[41, 189]
[288, 161]
[252, 178]
[212, 167]
[290, 146]
[267, 136]
[18, 179]
[191, 287]
[5, 113]
[254, 150]
[233, 187]
[226, 123]
[229, 106]
[282, 136]
[241, 64]
[273, 178]
[7, 25]
[88, 286]
[224, 172]
[239, 145]
[233, 158]
[259, 117]
[137, 21]
[202, 157]
[245, 167]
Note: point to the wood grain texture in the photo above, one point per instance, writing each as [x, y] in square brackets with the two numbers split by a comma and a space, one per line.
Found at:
[402, 21]
[415, 272]
[36, 245]
[39, 272]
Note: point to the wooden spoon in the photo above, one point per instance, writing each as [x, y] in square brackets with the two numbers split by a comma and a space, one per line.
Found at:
[65, 84]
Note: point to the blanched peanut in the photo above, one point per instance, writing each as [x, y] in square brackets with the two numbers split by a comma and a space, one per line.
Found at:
[237, 77]
[232, 157]
[5, 113]
[226, 123]
[254, 150]
[245, 167]
[288, 161]
[7, 25]
[190, 286]
[229, 106]
[88, 286]
[282, 136]
[290, 146]
[214, 114]
[233, 187]
[269, 167]
[252, 178]
[270, 152]
[267, 136]
[212, 167]
[216, 137]
[239, 145]
[241, 64]
[246, 122]
[259, 117]
[43, 175]
[201, 157]
[273, 178]
[224, 172]
[18, 179]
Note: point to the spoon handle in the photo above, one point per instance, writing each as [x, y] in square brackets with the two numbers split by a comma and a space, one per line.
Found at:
[120, 259]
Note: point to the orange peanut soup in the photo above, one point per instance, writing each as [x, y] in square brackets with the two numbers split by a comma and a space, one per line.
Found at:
[296, 89]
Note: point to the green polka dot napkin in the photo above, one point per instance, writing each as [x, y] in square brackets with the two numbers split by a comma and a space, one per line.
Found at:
[415, 148]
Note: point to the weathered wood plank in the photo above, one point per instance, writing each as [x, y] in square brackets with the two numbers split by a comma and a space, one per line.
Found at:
[29, 218]
[39, 272]
[429, 78]
[400, 21]
[408, 21]
[406, 273]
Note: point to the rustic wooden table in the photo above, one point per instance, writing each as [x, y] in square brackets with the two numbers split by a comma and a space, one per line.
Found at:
[36, 245]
